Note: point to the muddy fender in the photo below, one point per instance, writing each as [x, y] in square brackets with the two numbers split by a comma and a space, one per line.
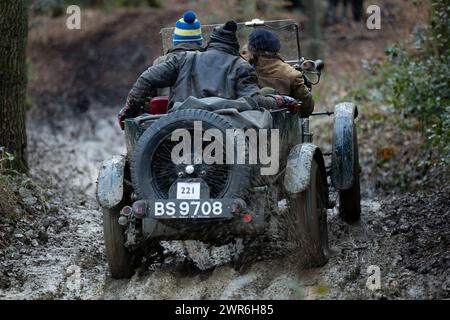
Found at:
[110, 182]
[343, 154]
[298, 168]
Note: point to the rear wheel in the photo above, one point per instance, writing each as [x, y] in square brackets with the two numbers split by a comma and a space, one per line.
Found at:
[305, 221]
[153, 171]
[350, 199]
[121, 261]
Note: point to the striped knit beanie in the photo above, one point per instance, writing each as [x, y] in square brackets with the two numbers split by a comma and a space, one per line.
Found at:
[188, 29]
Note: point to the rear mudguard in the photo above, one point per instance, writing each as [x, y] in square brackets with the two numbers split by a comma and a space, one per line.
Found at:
[110, 189]
[298, 168]
[343, 155]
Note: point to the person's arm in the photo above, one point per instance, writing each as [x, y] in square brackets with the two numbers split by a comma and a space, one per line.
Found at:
[247, 86]
[301, 92]
[157, 76]
[247, 81]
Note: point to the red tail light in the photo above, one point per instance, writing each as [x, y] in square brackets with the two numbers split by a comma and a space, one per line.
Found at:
[247, 217]
[158, 105]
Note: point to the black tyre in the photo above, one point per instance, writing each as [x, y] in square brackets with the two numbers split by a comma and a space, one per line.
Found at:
[153, 172]
[306, 221]
[350, 199]
[121, 261]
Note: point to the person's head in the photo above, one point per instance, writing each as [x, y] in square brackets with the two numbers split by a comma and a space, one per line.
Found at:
[188, 30]
[225, 34]
[262, 40]
[245, 53]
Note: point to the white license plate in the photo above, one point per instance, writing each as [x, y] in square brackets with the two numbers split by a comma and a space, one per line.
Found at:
[188, 190]
[176, 208]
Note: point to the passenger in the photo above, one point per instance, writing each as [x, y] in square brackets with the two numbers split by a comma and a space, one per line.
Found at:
[186, 37]
[219, 71]
[273, 72]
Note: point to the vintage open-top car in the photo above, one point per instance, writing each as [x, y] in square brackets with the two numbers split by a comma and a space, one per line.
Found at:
[149, 195]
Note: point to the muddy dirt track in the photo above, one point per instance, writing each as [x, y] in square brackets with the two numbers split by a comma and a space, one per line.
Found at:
[405, 236]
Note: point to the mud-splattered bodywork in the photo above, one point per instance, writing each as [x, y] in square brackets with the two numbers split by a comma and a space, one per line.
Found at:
[110, 183]
[298, 167]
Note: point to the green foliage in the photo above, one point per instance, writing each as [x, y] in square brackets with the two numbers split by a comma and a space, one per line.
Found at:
[5, 157]
[440, 28]
[416, 82]
[419, 86]
[419, 89]
[405, 107]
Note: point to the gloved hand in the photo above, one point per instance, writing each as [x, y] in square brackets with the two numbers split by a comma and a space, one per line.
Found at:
[124, 113]
[121, 117]
[307, 83]
[287, 102]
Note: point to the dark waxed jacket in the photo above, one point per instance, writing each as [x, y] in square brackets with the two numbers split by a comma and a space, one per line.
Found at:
[175, 50]
[217, 72]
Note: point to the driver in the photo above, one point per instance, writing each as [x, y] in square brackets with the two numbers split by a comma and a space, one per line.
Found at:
[187, 36]
[219, 71]
[263, 51]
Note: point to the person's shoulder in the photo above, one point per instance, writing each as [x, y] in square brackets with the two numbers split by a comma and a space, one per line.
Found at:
[172, 60]
[187, 55]
[159, 60]
[182, 47]
[243, 67]
[169, 55]
[289, 70]
[243, 63]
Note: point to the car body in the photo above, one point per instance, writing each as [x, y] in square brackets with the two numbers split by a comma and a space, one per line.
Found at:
[149, 195]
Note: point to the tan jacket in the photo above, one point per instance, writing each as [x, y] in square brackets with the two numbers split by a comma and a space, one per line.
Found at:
[273, 72]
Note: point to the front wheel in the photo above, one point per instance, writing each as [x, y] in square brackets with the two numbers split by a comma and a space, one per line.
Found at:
[350, 199]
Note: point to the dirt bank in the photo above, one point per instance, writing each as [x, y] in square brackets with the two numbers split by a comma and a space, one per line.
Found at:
[78, 69]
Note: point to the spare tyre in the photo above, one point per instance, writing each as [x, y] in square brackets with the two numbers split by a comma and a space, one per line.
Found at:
[153, 172]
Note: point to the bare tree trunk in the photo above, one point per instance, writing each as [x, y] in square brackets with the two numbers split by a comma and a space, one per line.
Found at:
[13, 80]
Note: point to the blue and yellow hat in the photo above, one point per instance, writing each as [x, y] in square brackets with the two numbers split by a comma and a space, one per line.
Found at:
[188, 29]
